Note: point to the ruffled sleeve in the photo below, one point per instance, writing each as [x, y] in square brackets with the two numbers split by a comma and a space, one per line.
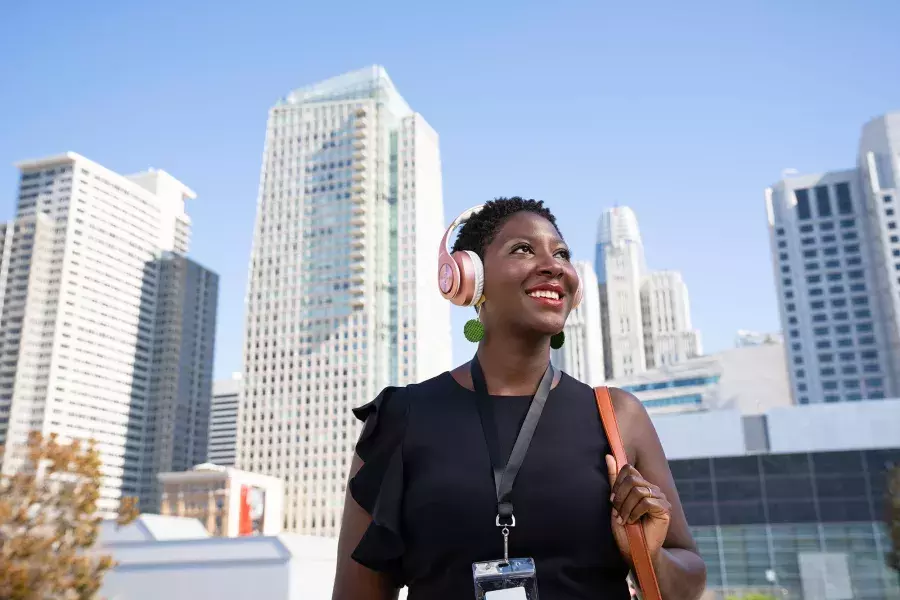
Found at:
[378, 485]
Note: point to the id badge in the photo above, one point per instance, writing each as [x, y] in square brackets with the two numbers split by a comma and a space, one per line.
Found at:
[513, 579]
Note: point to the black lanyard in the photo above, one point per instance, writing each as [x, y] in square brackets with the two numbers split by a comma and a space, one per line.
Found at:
[505, 475]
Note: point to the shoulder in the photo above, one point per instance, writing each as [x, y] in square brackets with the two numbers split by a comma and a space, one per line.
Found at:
[635, 426]
[395, 401]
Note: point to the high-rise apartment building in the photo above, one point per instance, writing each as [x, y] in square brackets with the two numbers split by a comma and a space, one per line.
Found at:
[836, 255]
[223, 419]
[669, 337]
[178, 413]
[79, 292]
[582, 354]
[342, 296]
[646, 315]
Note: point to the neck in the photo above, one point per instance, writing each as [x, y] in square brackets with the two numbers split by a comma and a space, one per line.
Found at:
[513, 367]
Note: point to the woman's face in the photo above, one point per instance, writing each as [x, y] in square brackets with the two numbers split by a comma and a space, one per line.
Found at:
[530, 283]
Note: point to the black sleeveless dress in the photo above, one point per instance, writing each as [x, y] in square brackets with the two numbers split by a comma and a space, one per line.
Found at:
[428, 485]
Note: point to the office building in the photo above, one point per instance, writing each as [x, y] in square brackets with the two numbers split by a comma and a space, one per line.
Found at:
[645, 315]
[669, 337]
[178, 423]
[80, 280]
[582, 354]
[789, 503]
[228, 502]
[836, 256]
[342, 296]
[223, 418]
[750, 379]
[621, 269]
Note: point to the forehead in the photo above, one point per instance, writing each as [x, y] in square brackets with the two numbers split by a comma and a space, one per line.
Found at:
[526, 224]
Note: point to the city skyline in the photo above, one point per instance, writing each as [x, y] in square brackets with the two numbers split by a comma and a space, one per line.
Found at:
[662, 124]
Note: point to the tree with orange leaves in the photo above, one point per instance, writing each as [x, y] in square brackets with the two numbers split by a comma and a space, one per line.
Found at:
[49, 523]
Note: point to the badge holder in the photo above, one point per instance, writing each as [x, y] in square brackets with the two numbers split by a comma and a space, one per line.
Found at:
[508, 578]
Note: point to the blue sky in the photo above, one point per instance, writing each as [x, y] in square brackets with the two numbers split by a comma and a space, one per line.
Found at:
[684, 111]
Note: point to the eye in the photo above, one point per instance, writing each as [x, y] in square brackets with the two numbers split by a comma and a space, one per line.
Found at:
[519, 247]
[564, 254]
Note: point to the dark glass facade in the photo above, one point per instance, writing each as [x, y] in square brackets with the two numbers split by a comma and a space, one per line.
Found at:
[754, 516]
[180, 381]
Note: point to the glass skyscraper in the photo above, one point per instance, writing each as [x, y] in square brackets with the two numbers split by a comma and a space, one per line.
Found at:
[342, 297]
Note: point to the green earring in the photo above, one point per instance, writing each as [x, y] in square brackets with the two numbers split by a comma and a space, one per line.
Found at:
[558, 340]
[474, 331]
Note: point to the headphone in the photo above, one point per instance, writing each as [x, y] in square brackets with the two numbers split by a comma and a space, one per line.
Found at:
[461, 273]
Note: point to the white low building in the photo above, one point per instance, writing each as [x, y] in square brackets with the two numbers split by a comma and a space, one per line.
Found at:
[176, 559]
[750, 380]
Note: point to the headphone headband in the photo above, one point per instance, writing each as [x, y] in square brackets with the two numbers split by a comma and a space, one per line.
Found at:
[460, 220]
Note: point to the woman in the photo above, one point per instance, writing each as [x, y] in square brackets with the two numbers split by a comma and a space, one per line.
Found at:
[422, 502]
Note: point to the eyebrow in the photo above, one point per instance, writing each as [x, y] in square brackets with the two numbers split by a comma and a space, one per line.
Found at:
[530, 239]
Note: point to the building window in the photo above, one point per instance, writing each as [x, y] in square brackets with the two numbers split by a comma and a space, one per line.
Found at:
[845, 202]
[803, 211]
[823, 201]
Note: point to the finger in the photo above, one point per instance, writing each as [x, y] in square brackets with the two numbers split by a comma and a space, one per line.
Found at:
[635, 495]
[627, 479]
[648, 506]
[611, 470]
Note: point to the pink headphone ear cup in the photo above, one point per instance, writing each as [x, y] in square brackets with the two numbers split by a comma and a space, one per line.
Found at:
[477, 276]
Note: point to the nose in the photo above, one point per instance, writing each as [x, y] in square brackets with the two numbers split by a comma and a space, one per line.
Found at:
[550, 266]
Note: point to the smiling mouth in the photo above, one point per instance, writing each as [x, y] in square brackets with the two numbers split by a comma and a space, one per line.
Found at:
[545, 294]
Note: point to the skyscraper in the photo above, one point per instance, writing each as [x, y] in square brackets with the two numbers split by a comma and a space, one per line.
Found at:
[836, 254]
[646, 315]
[582, 354]
[223, 416]
[178, 413]
[669, 337]
[79, 280]
[342, 297]
[621, 268]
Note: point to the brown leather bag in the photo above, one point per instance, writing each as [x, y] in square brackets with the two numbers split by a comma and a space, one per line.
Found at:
[640, 553]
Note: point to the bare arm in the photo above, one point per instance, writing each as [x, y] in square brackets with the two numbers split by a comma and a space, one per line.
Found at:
[352, 581]
[679, 568]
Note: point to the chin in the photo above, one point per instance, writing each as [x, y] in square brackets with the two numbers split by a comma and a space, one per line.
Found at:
[546, 327]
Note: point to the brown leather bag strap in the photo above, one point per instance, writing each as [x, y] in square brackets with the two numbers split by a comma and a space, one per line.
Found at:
[640, 553]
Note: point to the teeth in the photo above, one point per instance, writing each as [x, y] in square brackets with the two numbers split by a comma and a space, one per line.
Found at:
[545, 294]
